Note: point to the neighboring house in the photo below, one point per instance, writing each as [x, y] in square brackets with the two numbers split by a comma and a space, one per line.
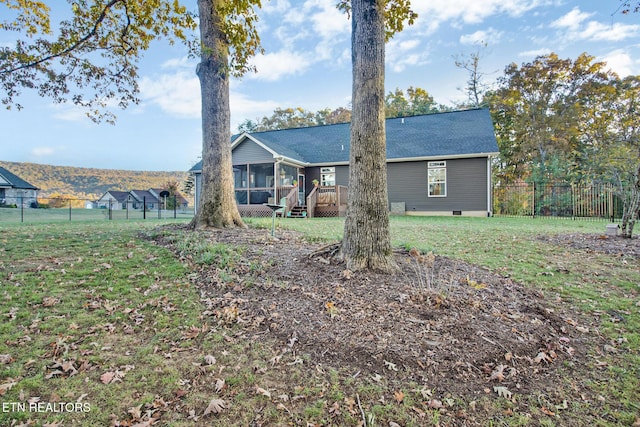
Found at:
[136, 199]
[160, 194]
[113, 200]
[140, 198]
[16, 191]
[437, 164]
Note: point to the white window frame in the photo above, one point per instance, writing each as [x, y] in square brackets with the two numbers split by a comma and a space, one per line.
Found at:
[437, 166]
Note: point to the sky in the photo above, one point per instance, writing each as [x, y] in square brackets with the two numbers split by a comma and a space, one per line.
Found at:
[307, 64]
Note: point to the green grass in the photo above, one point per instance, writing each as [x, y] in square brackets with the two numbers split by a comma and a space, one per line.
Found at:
[81, 300]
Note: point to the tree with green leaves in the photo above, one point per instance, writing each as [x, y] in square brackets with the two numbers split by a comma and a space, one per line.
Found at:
[612, 149]
[91, 59]
[540, 109]
[416, 102]
[366, 243]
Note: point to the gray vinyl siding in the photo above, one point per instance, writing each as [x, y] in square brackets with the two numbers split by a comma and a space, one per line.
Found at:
[407, 182]
[466, 186]
[313, 172]
[250, 152]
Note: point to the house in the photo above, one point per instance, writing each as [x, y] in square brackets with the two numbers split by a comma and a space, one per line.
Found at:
[15, 191]
[136, 199]
[438, 164]
[140, 198]
[161, 194]
[113, 200]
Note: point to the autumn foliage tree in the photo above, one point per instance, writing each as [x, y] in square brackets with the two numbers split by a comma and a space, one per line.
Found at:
[90, 58]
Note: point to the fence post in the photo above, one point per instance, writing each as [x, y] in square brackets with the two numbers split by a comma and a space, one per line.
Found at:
[574, 205]
[110, 217]
[533, 203]
[144, 207]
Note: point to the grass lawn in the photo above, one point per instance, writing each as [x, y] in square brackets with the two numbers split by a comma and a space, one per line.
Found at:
[102, 327]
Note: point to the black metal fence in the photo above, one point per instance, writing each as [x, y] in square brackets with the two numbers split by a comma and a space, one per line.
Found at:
[18, 209]
[597, 201]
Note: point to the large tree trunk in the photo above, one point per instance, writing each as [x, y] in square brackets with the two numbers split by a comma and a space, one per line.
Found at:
[217, 206]
[366, 242]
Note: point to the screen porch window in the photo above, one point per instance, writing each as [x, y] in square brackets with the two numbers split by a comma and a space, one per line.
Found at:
[437, 179]
[253, 183]
[327, 177]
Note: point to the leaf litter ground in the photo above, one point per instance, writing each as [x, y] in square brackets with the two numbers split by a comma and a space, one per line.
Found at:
[453, 328]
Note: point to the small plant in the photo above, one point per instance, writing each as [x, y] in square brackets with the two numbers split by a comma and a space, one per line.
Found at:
[423, 267]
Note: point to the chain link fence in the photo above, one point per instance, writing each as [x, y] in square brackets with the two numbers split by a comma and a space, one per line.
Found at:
[19, 209]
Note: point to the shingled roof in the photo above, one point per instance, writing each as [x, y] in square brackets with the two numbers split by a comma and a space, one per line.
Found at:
[443, 135]
[9, 180]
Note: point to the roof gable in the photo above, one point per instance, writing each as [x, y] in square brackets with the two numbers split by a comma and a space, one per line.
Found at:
[14, 181]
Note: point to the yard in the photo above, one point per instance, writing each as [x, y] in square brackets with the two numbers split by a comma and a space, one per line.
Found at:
[488, 321]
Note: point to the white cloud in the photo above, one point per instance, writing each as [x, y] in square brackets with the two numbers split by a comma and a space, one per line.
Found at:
[177, 94]
[621, 63]
[401, 54]
[434, 12]
[274, 66]
[42, 151]
[179, 63]
[490, 36]
[576, 27]
[69, 112]
[535, 53]
[571, 20]
[276, 6]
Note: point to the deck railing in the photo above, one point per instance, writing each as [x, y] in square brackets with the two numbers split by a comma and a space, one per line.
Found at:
[331, 199]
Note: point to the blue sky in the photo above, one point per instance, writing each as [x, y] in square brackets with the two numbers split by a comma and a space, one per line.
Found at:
[307, 64]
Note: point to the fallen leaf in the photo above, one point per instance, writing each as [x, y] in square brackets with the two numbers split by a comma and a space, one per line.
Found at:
[542, 356]
[503, 392]
[399, 396]
[5, 359]
[53, 374]
[434, 404]
[390, 365]
[209, 360]
[6, 386]
[220, 384]
[215, 406]
[546, 411]
[50, 301]
[107, 377]
[260, 390]
[498, 373]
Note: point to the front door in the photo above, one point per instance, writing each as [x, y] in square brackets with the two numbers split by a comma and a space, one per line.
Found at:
[301, 195]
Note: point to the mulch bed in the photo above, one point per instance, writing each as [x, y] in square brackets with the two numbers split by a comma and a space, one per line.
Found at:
[443, 323]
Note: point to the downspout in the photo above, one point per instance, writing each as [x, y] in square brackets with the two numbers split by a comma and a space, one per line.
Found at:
[489, 187]
[276, 167]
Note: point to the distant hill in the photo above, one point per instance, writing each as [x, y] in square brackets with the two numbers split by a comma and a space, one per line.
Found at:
[90, 183]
